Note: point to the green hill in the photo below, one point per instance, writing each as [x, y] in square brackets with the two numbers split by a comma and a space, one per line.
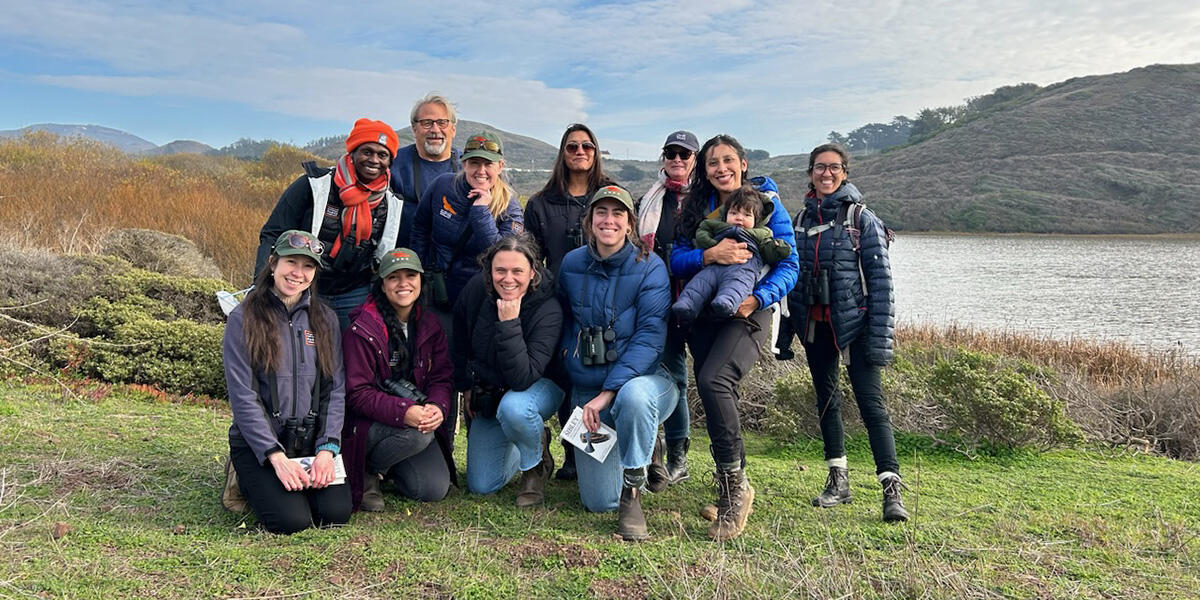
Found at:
[1103, 154]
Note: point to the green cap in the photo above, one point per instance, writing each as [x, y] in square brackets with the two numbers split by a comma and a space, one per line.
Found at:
[400, 258]
[295, 241]
[615, 192]
[486, 145]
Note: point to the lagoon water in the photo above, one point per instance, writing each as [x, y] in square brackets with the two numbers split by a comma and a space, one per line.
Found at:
[1140, 290]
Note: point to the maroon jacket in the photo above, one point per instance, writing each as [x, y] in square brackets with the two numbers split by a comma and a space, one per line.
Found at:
[365, 352]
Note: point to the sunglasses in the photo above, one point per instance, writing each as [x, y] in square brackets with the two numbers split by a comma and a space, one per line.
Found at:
[682, 153]
[297, 240]
[477, 144]
[573, 147]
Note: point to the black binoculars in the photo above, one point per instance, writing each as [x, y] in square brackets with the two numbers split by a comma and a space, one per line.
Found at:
[300, 436]
[594, 347]
[816, 288]
[575, 237]
[485, 400]
[404, 389]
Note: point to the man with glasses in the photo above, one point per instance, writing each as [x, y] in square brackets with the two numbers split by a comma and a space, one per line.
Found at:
[417, 165]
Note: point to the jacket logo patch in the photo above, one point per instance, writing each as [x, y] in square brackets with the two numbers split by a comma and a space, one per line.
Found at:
[331, 211]
[446, 208]
[309, 338]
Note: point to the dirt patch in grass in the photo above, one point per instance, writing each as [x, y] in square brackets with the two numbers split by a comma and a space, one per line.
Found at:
[627, 588]
[80, 474]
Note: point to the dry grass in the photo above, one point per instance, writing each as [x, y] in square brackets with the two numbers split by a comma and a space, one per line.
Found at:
[65, 195]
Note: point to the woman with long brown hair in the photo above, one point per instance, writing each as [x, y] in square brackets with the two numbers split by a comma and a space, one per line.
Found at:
[283, 370]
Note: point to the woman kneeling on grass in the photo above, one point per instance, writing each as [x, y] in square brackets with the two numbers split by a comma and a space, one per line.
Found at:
[283, 370]
[506, 326]
[397, 390]
[617, 291]
[842, 307]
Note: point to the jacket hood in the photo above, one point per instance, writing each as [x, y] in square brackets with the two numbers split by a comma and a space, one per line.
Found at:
[616, 258]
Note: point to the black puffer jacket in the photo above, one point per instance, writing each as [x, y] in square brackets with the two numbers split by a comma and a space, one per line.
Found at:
[855, 317]
[506, 354]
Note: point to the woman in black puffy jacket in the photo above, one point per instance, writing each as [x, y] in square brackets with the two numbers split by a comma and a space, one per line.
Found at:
[842, 308]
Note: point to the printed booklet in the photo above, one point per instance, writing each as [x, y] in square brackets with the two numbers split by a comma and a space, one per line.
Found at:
[339, 467]
[596, 445]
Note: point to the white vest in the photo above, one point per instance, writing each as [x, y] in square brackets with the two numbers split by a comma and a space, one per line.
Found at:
[391, 224]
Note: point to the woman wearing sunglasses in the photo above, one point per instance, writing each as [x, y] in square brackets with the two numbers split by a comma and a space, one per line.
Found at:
[554, 215]
[283, 370]
[842, 306]
[460, 216]
[350, 208]
[724, 350]
[657, 211]
[617, 293]
[398, 390]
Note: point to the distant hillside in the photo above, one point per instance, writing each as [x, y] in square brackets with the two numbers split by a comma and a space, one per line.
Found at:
[1103, 154]
[181, 147]
[121, 140]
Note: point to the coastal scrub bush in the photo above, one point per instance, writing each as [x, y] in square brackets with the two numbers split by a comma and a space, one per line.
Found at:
[159, 252]
[990, 402]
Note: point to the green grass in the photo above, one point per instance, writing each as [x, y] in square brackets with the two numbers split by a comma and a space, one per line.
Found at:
[135, 478]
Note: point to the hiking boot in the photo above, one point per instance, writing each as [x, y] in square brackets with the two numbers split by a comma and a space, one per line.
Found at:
[709, 512]
[735, 501]
[231, 495]
[372, 498]
[631, 521]
[677, 460]
[532, 488]
[893, 506]
[567, 471]
[657, 477]
[837, 489]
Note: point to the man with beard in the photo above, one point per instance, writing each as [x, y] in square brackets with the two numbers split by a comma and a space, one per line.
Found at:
[416, 165]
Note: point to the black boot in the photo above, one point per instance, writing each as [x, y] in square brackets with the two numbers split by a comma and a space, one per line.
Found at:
[893, 506]
[677, 467]
[837, 489]
[567, 471]
[631, 521]
[657, 477]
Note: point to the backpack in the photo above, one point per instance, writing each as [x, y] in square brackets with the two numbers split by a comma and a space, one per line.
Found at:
[849, 217]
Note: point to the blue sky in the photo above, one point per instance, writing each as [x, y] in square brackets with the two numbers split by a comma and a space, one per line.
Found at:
[778, 75]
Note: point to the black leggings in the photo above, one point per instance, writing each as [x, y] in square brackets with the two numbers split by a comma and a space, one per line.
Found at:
[865, 380]
[281, 511]
[723, 352]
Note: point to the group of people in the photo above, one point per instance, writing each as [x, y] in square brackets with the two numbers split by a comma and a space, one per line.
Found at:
[439, 294]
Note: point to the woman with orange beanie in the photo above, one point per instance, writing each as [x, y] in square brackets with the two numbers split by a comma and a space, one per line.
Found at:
[350, 208]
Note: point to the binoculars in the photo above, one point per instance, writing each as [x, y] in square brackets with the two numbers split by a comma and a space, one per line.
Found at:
[594, 347]
[404, 389]
[300, 436]
[485, 400]
[816, 288]
[575, 237]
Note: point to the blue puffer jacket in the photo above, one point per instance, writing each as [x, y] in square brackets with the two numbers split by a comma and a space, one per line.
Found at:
[442, 216]
[855, 317]
[630, 295]
[687, 260]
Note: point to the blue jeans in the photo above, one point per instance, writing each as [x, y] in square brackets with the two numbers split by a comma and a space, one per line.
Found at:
[498, 447]
[640, 406]
[678, 426]
[345, 302]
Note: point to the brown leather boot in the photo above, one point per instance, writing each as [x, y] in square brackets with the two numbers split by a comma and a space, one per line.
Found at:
[735, 500]
[631, 521]
[372, 498]
[657, 477]
[532, 487]
[231, 495]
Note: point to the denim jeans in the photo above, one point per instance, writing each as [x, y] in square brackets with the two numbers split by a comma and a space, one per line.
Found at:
[866, 381]
[640, 406]
[511, 441]
[345, 302]
[678, 426]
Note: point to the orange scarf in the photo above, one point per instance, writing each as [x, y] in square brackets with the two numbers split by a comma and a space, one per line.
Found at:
[358, 199]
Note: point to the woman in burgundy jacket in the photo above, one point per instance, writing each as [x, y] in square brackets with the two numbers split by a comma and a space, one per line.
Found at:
[398, 391]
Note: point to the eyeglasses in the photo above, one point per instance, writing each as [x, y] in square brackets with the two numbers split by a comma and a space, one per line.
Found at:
[477, 143]
[833, 168]
[300, 240]
[429, 123]
[573, 147]
[682, 153]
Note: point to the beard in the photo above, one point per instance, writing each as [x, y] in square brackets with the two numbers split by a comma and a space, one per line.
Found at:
[434, 148]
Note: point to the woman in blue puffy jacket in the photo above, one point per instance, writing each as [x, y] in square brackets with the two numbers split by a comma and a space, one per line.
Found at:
[724, 350]
[842, 308]
[613, 334]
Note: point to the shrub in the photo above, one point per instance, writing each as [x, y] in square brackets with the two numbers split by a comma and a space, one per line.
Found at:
[159, 252]
[988, 402]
